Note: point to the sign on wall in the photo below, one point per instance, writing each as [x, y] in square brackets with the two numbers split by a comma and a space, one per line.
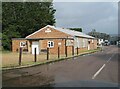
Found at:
[48, 30]
[59, 44]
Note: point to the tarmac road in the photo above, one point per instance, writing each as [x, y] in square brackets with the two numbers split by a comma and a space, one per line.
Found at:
[94, 70]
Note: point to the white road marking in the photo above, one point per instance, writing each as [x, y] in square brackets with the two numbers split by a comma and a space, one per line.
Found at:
[110, 58]
[102, 67]
[98, 72]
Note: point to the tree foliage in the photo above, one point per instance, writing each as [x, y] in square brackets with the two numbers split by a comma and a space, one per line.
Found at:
[99, 35]
[20, 19]
[76, 29]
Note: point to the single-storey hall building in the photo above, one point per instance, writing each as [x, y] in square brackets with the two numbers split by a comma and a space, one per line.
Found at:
[52, 37]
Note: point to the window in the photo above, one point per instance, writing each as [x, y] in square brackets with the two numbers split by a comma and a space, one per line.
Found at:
[83, 42]
[86, 42]
[92, 41]
[77, 43]
[50, 44]
[22, 44]
[69, 42]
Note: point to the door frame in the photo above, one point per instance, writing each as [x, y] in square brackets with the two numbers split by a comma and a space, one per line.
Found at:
[37, 45]
[88, 45]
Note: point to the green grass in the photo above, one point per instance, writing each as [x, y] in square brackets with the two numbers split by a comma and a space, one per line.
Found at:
[5, 51]
[53, 59]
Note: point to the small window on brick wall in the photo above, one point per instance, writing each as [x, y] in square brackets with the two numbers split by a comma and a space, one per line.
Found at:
[22, 44]
[50, 44]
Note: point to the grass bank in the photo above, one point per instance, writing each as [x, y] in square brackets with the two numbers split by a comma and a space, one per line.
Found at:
[30, 63]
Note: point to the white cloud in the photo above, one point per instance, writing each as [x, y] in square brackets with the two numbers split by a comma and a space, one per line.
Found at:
[88, 15]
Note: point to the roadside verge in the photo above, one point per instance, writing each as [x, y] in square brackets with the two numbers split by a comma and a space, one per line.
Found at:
[48, 61]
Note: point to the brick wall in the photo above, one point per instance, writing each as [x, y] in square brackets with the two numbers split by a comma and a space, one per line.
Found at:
[53, 34]
[16, 45]
[43, 43]
[54, 50]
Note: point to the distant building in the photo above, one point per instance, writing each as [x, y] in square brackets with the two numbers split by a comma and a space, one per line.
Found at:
[113, 40]
[100, 42]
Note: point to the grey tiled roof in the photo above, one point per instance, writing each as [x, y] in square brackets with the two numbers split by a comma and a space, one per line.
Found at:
[71, 32]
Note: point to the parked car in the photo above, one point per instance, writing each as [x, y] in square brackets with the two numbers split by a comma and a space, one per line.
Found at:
[106, 43]
[118, 43]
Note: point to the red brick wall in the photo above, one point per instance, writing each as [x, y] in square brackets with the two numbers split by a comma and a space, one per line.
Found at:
[16, 45]
[54, 50]
[53, 34]
[43, 43]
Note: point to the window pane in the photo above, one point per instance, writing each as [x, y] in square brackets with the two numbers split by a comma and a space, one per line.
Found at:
[51, 43]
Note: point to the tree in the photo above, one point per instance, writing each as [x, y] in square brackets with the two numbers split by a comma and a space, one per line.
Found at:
[76, 29]
[99, 35]
[20, 19]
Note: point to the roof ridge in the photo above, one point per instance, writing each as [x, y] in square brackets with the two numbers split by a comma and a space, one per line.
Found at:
[57, 28]
[65, 30]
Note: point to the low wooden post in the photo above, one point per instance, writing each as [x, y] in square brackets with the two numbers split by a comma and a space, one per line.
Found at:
[65, 48]
[47, 53]
[20, 56]
[58, 52]
[77, 50]
[73, 50]
[35, 57]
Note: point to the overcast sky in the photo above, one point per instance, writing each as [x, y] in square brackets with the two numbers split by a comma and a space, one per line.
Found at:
[102, 16]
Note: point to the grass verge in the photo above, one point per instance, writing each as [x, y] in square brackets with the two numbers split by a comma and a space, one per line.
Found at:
[32, 64]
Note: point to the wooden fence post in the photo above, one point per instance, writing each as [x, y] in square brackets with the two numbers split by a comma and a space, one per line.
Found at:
[66, 51]
[20, 56]
[58, 52]
[65, 48]
[47, 53]
[77, 50]
[35, 58]
[73, 50]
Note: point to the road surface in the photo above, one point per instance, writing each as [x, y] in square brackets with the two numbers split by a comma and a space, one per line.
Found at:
[97, 69]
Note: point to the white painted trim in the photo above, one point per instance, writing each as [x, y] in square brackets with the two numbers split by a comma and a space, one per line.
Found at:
[34, 46]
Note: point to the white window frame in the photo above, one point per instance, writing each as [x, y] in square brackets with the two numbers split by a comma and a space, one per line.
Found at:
[50, 42]
[83, 43]
[69, 42]
[92, 41]
[86, 42]
[78, 42]
[21, 44]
